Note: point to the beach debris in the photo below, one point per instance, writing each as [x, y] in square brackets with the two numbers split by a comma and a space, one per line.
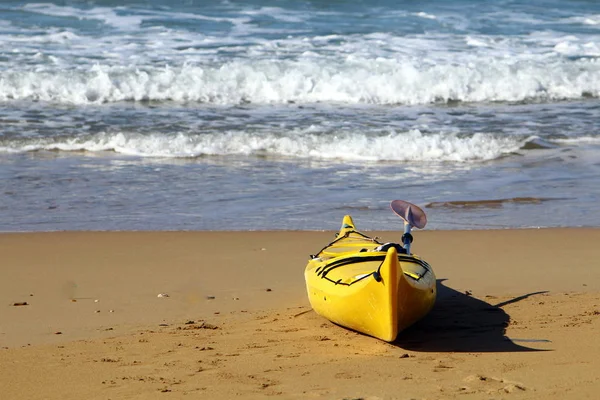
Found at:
[210, 297]
[73, 300]
[162, 295]
[483, 378]
[20, 303]
[302, 313]
[58, 333]
[236, 298]
[511, 387]
[405, 355]
[111, 310]
[202, 325]
[190, 322]
[97, 311]
[96, 301]
[268, 290]
[206, 325]
[163, 324]
[468, 292]
[263, 249]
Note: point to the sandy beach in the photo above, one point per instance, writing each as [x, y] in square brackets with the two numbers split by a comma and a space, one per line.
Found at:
[168, 167]
[517, 316]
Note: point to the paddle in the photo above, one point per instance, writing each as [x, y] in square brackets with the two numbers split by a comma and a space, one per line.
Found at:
[412, 216]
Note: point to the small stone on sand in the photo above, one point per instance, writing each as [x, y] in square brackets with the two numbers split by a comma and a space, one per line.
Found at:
[510, 388]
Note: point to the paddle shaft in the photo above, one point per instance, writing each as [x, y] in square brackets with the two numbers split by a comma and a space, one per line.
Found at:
[407, 237]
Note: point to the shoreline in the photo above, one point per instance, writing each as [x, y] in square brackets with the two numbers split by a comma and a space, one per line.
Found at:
[481, 227]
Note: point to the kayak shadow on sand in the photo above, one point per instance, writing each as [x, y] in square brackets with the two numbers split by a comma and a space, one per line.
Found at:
[461, 323]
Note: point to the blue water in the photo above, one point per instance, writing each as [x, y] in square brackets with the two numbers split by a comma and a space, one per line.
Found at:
[197, 115]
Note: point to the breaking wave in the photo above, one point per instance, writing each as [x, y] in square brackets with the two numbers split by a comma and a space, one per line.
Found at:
[306, 81]
[406, 146]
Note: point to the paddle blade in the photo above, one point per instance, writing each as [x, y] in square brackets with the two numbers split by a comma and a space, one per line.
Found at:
[410, 213]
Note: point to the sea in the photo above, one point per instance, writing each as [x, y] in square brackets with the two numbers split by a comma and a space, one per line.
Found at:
[289, 114]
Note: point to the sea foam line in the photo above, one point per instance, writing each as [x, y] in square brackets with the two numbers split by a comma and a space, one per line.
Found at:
[396, 146]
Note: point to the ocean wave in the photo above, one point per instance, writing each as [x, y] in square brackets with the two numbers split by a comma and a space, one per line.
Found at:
[110, 16]
[584, 20]
[405, 146]
[582, 140]
[309, 80]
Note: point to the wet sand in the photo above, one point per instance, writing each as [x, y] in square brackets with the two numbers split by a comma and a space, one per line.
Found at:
[517, 316]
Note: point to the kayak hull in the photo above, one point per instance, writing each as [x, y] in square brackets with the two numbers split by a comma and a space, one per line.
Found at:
[379, 293]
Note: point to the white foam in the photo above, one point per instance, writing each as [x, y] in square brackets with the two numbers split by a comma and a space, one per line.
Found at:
[584, 20]
[476, 42]
[357, 80]
[51, 36]
[576, 48]
[105, 14]
[425, 15]
[278, 13]
[395, 146]
[579, 140]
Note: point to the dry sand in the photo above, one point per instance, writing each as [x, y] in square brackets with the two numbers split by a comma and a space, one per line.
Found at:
[517, 316]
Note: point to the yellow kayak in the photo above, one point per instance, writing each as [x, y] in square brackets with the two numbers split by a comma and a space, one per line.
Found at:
[370, 287]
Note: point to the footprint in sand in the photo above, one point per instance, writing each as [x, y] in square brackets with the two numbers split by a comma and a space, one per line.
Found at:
[491, 385]
[346, 375]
